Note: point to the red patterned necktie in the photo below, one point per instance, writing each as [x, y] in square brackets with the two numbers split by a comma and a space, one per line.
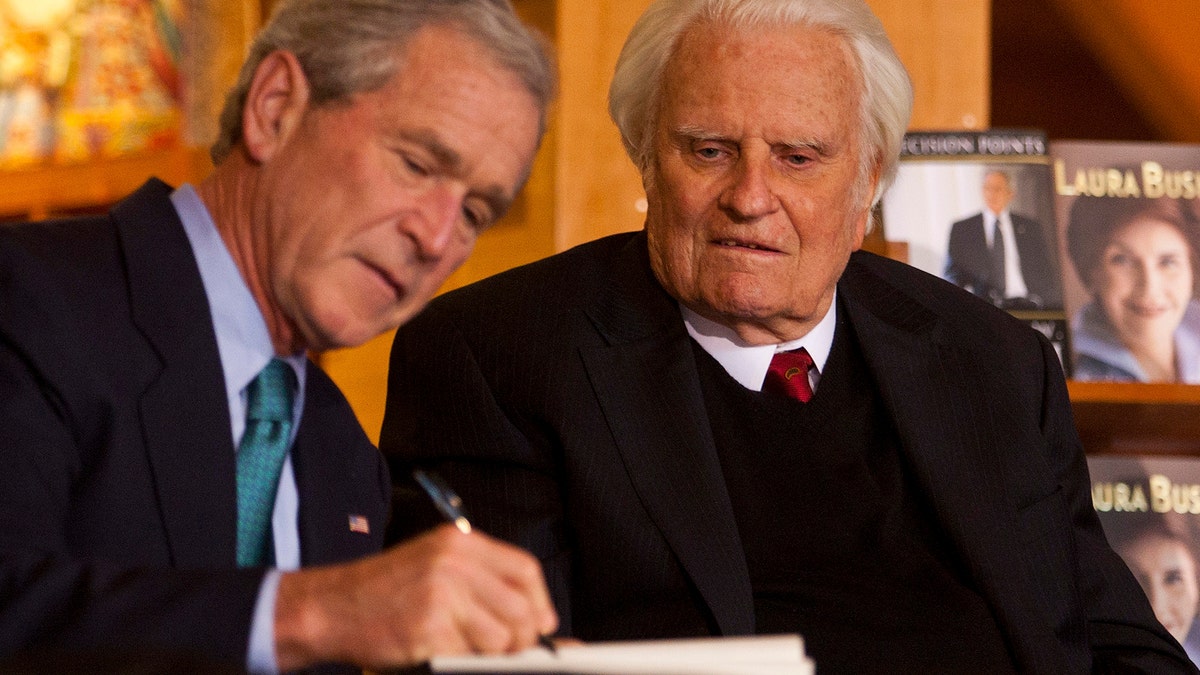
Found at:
[788, 375]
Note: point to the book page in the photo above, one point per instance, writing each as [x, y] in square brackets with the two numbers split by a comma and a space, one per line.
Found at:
[763, 655]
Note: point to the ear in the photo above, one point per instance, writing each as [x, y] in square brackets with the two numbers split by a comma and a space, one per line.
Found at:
[860, 230]
[863, 220]
[275, 103]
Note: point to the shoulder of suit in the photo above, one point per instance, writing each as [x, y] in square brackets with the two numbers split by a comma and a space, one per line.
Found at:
[977, 218]
[891, 282]
[324, 398]
[60, 245]
[556, 278]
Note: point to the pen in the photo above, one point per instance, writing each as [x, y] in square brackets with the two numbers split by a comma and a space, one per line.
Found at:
[444, 498]
[450, 504]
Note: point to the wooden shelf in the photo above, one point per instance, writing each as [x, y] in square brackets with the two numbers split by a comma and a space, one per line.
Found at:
[36, 192]
[1122, 418]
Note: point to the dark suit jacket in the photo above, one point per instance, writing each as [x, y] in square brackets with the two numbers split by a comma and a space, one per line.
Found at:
[968, 259]
[562, 400]
[117, 493]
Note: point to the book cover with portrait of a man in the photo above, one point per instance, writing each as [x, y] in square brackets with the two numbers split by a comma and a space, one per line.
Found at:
[975, 208]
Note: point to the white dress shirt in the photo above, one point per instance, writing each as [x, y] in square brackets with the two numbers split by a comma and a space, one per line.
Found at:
[1014, 280]
[748, 364]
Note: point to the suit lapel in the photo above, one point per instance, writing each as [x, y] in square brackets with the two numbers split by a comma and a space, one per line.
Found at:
[648, 388]
[338, 520]
[185, 416]
[646, 382]
[951, 437]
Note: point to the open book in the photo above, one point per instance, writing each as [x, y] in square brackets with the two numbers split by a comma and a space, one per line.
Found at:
[764, 655]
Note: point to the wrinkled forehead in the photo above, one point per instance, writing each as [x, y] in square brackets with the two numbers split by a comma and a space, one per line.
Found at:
[706, 43]
[791, 66]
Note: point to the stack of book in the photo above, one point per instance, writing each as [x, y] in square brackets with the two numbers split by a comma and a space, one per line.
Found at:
[1099, 240]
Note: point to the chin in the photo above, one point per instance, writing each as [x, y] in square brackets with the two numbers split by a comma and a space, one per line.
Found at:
[336, 332]
[352, 324]
[357, 333]
[748, 309]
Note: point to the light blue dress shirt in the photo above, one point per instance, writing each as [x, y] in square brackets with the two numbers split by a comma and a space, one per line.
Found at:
[245, 348]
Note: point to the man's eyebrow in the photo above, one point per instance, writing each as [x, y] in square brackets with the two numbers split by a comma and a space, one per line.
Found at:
[449, 158]
[820, 147]
[697, 133]
[497, 197]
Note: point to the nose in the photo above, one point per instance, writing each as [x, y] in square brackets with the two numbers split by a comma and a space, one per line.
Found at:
[749, 195]
[1146, 279]
[1159, 602]
[438, 217]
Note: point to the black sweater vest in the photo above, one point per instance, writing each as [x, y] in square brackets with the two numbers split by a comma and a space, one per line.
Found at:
[840, 545]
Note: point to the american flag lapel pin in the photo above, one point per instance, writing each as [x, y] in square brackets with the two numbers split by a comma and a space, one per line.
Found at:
[359, 524]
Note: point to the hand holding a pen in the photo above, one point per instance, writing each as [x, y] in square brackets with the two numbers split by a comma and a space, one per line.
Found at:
[445, 592]
[450, 505]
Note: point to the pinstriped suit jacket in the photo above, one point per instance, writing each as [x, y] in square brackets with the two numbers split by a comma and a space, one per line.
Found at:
[563, 401]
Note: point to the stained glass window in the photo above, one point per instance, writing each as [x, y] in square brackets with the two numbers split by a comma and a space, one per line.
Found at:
[82, 79]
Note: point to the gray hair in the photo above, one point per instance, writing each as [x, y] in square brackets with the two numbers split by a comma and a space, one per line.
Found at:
[887, 91]
[1003, 173]
[347, 47]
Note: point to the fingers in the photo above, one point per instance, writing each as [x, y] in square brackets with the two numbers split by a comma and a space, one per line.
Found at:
[508, 607]
[523, 596]
[503, 604]
[445, 592]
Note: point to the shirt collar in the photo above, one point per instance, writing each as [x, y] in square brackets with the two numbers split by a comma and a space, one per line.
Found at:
[748, 363]
[1002, 216]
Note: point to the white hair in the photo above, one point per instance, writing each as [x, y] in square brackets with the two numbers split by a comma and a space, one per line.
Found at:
[886, 98]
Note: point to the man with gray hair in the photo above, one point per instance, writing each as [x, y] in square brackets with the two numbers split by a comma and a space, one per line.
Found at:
[1001, 255]
[734, 422]
[179, 480]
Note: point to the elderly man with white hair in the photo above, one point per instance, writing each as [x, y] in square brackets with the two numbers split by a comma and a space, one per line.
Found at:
[735, 422]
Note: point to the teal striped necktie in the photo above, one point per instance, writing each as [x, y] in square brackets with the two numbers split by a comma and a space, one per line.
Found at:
[260, 460]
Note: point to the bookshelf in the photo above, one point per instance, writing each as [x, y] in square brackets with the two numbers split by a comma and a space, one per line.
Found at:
[46, 190]
[1122, 418]
[583, 187]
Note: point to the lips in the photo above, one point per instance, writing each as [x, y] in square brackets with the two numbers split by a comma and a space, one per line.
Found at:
[744, 244]
[386, 277]
[1147, 312]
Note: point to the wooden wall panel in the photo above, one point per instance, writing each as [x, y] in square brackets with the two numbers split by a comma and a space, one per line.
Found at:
[1150, 48]
[218, 33]
[597, 188]
[945, 45]
[39, 192]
